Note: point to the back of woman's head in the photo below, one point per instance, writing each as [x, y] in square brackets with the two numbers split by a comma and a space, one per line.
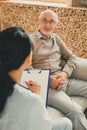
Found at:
[15, 46]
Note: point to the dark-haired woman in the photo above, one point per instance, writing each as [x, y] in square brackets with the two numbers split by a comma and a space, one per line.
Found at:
[20, 109]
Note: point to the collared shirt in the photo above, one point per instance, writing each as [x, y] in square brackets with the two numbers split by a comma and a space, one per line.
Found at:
[47, 53]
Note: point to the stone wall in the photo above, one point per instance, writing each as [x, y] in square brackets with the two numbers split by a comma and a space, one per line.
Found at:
[72, 26]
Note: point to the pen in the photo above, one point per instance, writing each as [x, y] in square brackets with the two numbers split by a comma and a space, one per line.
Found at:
[23, 86]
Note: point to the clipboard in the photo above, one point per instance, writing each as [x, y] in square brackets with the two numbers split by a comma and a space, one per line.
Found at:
[42, 77]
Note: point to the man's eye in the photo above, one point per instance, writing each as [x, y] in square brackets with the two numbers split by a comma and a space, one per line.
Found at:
[51, 22]
[46, 21]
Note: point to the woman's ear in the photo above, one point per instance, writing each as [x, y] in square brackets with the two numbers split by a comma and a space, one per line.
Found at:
[29, 59]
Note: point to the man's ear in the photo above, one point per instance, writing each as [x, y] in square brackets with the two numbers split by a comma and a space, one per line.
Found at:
[39, 20]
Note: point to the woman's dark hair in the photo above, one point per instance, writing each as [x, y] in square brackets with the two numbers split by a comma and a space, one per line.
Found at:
[15, 46]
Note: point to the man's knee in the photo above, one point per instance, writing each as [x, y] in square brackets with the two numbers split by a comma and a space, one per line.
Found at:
[74, 114]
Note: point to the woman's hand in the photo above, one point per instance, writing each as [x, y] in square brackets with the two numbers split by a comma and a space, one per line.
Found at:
[33, 86]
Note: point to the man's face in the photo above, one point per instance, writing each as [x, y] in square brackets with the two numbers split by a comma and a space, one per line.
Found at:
[47, 24]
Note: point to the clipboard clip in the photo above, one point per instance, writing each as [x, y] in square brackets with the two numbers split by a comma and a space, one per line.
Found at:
[33, 70]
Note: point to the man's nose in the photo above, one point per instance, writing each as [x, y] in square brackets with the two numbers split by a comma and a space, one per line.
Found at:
[48, 23]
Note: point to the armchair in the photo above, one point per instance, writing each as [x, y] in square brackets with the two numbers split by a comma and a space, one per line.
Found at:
[79, 73]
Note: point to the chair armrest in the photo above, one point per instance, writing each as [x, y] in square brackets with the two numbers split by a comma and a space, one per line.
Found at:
[81, 70]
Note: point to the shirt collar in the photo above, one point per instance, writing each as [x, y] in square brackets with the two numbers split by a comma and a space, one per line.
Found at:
[40, 36]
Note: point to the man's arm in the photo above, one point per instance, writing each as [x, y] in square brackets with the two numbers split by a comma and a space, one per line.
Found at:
[68, 55]
[59, 80]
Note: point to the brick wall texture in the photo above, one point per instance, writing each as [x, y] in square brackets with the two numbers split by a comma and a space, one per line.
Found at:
[72, 25]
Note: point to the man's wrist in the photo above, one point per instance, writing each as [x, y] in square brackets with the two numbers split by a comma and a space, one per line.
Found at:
[65, 73]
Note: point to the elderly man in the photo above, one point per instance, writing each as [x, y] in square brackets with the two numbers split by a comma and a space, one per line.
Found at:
[47, 53]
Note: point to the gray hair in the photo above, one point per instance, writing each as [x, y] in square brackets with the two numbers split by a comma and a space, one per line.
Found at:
[50, 12]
